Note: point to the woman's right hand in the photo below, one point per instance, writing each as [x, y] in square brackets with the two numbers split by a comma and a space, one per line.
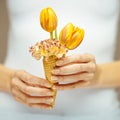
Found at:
[31, 90]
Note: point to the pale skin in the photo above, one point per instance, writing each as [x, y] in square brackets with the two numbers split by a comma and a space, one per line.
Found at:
[71, 72]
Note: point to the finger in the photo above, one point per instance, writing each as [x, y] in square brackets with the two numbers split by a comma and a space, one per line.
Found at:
[30, 90]
[73, 78]
[40, 105]
[19, 100]
[82, 58]
[24, 98]
[32, 80]
[70, 86]
[74, 69]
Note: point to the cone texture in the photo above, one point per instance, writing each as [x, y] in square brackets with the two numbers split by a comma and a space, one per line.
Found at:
[49, 63]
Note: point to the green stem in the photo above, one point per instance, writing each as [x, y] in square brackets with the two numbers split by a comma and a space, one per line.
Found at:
[51, 35]
[56, 34]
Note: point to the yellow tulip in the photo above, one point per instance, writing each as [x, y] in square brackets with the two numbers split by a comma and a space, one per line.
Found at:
[71, 36]
[48, 19]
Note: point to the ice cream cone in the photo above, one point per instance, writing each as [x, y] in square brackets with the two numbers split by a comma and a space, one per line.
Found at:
[49, 63]
[50, 50]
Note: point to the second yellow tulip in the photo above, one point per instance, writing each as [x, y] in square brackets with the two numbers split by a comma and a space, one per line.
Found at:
[71, 36]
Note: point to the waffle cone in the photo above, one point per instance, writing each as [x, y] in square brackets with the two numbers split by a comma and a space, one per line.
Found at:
[49, 63]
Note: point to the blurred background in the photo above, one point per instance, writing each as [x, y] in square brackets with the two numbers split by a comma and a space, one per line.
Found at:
[4, 26]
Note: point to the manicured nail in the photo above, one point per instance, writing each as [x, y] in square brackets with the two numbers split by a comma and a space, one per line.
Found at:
[60, 62]
[50, 93]
[49, 108]
[54, 88]
[50, 101]
[49, 85]
[54, 78]
[55, 71]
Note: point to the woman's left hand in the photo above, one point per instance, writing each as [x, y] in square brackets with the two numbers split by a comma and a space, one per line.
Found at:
[74, 72]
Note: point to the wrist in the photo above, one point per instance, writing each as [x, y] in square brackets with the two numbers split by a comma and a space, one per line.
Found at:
[6, 78]
[96, 81]
[10, 77]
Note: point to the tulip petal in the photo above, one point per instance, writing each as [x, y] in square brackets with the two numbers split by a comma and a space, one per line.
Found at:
[76, 39]
[48, 19]
[66, 33]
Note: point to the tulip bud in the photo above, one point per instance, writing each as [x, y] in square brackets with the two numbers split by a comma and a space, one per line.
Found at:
[71, 36]
[48, 19]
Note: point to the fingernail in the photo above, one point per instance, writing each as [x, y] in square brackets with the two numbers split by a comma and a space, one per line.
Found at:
[60, 62]
[46, 84]
[52, 100]
[49, 85]
[54, 88]
[55, 71]
[50, 93]
[49, 101]
[49, 108]
[54, 78]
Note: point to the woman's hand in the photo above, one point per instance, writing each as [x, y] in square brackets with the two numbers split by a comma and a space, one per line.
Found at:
[31, 90]
[74, 72]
